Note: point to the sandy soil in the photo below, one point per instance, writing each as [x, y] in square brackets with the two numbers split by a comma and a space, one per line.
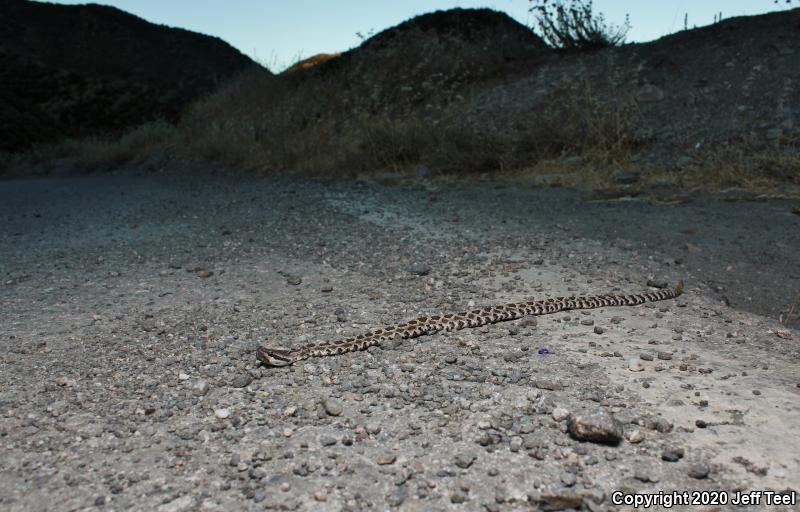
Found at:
[131, 306]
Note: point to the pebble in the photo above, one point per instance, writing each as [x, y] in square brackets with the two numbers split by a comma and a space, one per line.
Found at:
[596, 426]
[419, 269]
[333, 407]
[464, 460]
[373, 428]
[294, 280]
[635, 436]
[699, 470]
[568, 479]
[459, 497]
[327, 440]
[386, 458]
[635, 364]
[200, 388]
[665, 356]
[560, 414]
[672, 454]
[598, 329]
[222, 413]
[646, 356]
[241, 380]
[65, 382]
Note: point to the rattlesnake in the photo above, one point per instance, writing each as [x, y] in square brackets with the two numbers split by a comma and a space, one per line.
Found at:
[475, 318]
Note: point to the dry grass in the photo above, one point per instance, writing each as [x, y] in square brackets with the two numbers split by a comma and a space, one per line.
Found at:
[267, 124]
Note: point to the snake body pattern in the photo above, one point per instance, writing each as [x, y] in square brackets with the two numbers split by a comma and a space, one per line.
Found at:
[475, 318]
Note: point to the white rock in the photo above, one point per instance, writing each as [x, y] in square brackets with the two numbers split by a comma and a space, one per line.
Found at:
[560, 414]
[222, 413]
[635, 365]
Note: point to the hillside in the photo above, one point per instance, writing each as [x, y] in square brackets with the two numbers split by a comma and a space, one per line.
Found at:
[69, 71]
[473, 91]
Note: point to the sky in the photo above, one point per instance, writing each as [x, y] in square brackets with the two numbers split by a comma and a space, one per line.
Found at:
[277, 33]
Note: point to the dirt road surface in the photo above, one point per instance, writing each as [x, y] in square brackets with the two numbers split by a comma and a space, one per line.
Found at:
[131, 307]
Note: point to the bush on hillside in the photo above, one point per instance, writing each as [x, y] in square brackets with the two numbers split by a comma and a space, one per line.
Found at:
[572, 24]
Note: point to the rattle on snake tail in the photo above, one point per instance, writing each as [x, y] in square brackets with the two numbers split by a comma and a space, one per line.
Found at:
[475, 318]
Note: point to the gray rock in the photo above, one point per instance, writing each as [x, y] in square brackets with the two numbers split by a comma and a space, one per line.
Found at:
[333, 407]
[459, 497]
[464, 460]
[699, 470]
[672, 454]
[200, 388]
[419, 269]
[596, 426]
[241, 380]
[386, 458]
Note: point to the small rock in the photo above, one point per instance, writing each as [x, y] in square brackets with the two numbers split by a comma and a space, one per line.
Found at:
[699, 470]
[635, 364]
[464, 460]
[560, 414]
[596, 426]
[657, 283]
[598, 329]
[568, 479]
[200, 388]
[646, 356]
[204, 273]
[333, 407]
[635, 436]
[386, 458]
[672, 454]
[665, 356]
[327, 440]
[65, 382]
[242, 380]
[459, 497]
[373, 428]
[294, 280]
[419, 269]
[222, 413]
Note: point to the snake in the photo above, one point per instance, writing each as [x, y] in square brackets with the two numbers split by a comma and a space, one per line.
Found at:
[421, 326]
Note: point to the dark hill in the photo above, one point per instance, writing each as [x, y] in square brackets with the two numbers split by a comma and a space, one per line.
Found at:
[431, 54]
[80, 70]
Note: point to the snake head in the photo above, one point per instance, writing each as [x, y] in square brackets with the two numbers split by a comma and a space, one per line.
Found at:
[274, 356]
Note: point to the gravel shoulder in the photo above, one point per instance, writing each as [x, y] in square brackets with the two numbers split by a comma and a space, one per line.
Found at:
[131, 307]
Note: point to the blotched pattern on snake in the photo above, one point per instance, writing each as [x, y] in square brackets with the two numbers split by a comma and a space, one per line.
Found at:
[475, 318]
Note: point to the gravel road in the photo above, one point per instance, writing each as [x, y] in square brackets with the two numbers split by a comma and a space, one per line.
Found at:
[131, 307]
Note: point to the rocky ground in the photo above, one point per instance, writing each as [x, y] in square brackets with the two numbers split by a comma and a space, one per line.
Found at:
[131, 308]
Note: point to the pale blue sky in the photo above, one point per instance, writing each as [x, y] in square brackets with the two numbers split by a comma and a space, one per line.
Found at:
[278, 32]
